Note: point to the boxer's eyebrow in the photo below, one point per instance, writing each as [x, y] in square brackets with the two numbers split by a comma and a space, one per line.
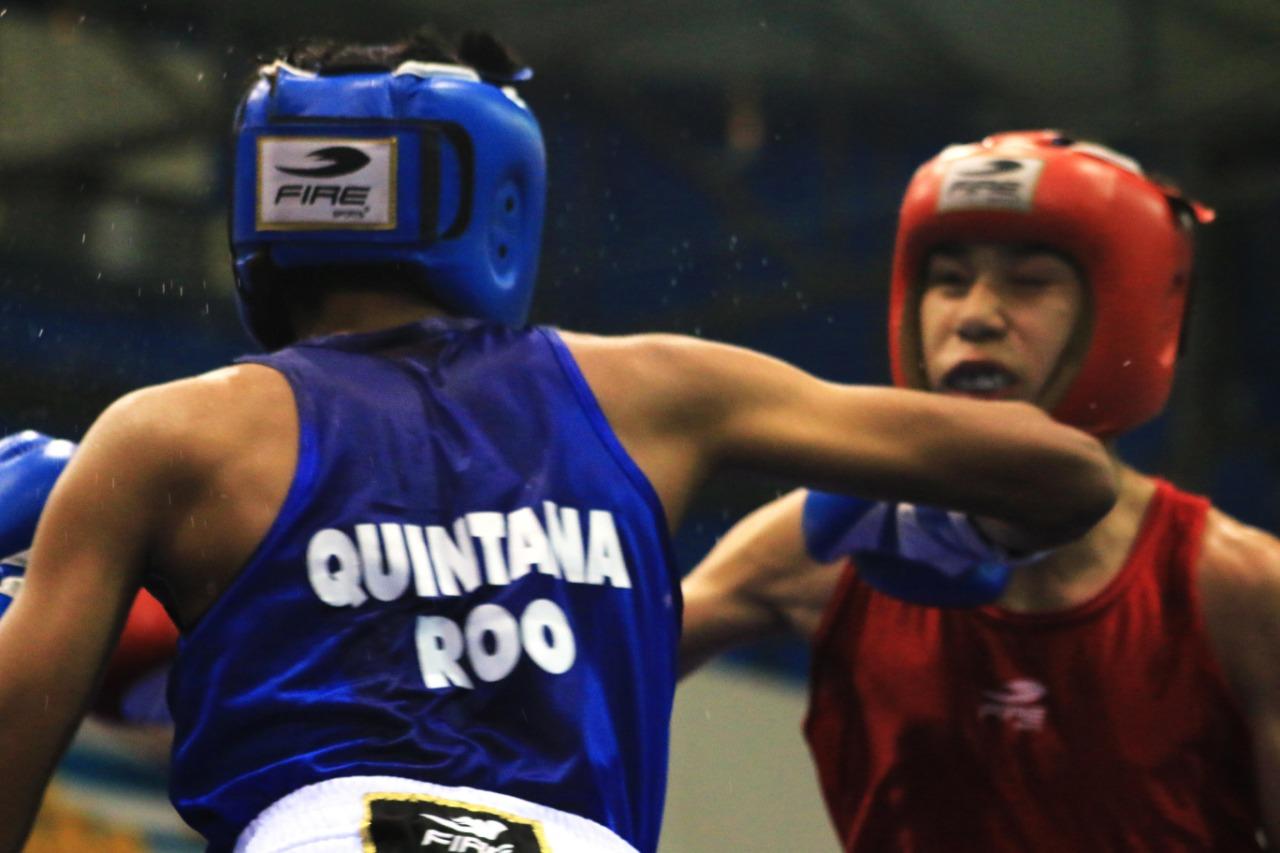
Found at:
[1025, 250]
[949, 250]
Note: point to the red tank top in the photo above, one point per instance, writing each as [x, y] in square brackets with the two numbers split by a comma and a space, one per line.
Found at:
[1105, 727]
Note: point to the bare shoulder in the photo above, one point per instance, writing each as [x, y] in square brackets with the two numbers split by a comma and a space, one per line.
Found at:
[1239, 581]
[1238, 562]
[674, 401]
[659, 345]
[205, 464]
[143, 467]
[677, 383]
[218, 397]
[189, 417]
[658, 403]
[190, 437]
[677, 364]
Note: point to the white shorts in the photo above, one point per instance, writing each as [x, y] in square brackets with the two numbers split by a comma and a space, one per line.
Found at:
[349, 815]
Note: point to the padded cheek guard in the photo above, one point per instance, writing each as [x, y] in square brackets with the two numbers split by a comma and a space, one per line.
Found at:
[1130, 235]
[426, 168]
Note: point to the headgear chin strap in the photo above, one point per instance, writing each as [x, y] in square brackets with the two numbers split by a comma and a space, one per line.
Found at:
[1130, 235]
[426, 168]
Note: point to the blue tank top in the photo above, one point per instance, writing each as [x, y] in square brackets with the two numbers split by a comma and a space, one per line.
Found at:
[469, 583]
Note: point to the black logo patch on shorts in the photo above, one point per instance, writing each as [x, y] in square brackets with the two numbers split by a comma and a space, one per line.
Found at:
[409, 823]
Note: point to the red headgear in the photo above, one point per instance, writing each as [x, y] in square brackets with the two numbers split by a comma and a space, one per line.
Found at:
[1130, 235]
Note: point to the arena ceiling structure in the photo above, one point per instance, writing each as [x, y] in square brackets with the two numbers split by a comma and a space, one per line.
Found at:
[129, 98]
[124, 75]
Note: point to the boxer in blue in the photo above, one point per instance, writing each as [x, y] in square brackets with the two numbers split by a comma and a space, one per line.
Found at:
[419, 551]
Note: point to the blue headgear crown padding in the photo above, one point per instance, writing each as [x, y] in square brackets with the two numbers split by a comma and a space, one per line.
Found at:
[426, 167]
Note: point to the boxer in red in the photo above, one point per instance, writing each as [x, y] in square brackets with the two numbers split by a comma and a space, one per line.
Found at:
[1123, 693]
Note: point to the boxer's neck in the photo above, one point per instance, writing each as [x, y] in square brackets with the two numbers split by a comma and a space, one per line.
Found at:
[1077, 571]
[354, 311]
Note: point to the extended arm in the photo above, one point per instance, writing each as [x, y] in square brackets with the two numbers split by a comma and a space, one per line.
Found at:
[683, 405]
[84, 570]
[975, 456]
[777, 567]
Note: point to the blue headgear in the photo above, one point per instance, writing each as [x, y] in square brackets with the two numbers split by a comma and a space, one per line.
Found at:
[426, 167]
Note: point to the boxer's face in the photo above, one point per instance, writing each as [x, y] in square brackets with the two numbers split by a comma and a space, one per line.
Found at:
[995, 319]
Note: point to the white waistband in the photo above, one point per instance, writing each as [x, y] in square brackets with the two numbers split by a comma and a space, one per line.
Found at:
[328, 817]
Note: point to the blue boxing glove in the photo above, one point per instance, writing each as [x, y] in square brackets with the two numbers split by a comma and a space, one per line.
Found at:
[29, 466]
[921, 555]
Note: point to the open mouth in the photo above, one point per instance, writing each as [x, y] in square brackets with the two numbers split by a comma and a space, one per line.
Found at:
[983, 378]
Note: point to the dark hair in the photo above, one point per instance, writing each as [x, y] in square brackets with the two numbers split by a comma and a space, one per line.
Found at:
[490, 58]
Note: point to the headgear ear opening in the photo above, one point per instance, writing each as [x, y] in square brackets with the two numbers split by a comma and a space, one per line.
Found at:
[425, 167]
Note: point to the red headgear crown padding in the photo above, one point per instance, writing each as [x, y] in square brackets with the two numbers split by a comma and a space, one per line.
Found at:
[1130, 236]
